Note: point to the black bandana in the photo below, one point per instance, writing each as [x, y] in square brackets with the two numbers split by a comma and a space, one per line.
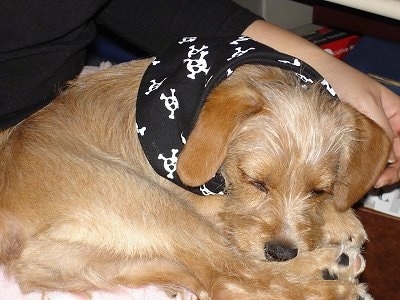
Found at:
[176, 84]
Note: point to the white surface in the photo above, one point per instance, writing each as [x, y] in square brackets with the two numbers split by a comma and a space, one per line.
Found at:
[9, 290]
[386, 200]
[284, 13]
[386, 8]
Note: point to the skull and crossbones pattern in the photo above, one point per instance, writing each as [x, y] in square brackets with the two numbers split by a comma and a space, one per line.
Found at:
[178, 81]
[196, 62]
[171, 103]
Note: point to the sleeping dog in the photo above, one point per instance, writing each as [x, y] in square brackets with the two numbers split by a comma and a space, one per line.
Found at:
[221, 166]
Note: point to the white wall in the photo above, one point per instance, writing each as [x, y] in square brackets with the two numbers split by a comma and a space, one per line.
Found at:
[285, 13]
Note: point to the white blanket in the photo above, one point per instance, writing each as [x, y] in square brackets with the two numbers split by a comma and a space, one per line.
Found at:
[9, 290]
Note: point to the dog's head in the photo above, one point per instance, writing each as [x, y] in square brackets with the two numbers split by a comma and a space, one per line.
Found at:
[294, 159]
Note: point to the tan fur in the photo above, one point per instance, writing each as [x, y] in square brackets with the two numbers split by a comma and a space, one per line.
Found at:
[82, 209]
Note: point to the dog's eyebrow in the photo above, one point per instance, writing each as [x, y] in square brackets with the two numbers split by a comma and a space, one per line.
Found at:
[245, 175]
[259, 183]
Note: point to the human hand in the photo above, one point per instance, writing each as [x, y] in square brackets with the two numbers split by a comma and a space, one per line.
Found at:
[378, 103]
[391, 106]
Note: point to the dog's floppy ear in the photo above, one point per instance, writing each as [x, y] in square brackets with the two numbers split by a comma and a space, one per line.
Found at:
[362, 161]
[227, 106]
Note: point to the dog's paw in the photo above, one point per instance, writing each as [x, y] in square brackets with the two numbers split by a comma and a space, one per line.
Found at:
[348, 265]
[342, 228]
[353, 239]
[334, 270]
[325, 273]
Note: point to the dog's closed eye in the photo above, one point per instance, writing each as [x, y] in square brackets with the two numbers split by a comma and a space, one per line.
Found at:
[262, 186]
[318, 192]
[257, 183]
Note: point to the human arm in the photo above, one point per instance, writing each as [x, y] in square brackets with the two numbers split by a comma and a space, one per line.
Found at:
[153, 25]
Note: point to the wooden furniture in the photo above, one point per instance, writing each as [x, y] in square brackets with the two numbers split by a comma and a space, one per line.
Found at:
[386, 8]
[382, 253]
[357, 21]
[379, 18]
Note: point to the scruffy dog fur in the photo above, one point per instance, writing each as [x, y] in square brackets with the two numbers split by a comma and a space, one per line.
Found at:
[81, 208]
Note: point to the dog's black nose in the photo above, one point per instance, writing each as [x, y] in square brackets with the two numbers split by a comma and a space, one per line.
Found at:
[276, 252]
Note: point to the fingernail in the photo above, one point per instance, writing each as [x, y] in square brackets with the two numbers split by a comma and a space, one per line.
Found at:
[391, 157]
[380, 183]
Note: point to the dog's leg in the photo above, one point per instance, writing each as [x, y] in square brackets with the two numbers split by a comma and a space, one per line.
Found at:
[89, 226]
[79, 268]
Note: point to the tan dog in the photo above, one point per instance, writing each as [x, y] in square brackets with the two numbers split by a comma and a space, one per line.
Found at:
[82, 209]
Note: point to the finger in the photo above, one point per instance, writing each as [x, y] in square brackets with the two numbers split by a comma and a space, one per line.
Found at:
[391, 157]
[395, 154]
[389, 176]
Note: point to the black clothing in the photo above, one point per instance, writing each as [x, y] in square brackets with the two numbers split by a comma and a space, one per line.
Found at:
[42, 44]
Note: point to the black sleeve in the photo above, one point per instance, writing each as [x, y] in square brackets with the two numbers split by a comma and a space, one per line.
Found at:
[42, 45]
[152, 25]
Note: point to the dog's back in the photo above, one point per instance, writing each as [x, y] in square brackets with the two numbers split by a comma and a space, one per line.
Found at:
[47, 160]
